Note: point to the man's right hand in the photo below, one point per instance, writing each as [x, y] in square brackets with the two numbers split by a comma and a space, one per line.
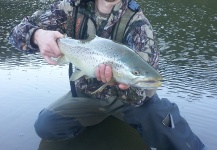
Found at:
[104, 74]
[46, 41]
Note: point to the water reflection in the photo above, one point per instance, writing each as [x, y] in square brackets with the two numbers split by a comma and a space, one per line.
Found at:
[11, 13]
[188, 40]
[187, 35]
[106, 132]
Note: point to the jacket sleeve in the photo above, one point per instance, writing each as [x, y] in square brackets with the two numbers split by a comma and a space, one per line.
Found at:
[53, 18]
[140, 37]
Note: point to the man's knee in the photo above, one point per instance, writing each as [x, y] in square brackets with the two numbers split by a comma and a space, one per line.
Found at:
[160, 124]
[53, 126]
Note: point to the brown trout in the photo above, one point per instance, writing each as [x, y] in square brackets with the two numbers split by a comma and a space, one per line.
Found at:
[128, 67]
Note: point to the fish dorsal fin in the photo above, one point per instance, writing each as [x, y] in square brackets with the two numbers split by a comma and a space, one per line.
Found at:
[65, 36]
[90, 38]
[76, 75]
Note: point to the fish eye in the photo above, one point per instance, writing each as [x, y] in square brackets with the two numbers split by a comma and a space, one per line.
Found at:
[136, 73]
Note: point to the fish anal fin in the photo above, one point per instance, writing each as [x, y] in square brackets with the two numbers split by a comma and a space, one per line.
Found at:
[76, 75]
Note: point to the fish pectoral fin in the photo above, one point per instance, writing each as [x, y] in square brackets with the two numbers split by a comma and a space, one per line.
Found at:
[76, 75]
[101, 88]
[111, 82]
[62, 60]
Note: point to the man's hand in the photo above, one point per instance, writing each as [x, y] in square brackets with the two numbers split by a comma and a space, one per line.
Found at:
[46, 41]
[104, 74]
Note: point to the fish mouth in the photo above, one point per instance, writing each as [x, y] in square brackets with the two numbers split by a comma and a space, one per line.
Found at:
[148, 84]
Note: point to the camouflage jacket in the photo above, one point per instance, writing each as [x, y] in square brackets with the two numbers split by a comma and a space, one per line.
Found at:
[138, 36]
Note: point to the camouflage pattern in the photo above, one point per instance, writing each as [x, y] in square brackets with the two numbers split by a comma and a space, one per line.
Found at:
[138, 36]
